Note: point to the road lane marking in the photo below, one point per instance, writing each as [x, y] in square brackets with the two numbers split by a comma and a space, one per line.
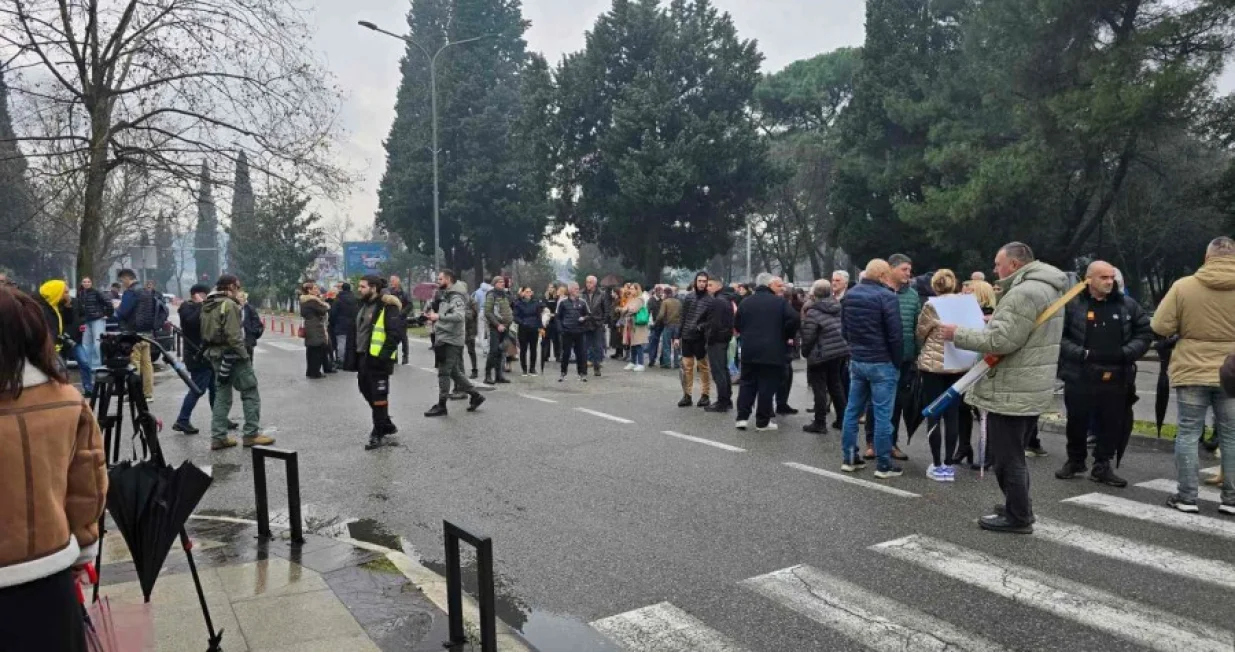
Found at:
[1166, 560]
[286, 346]
[663, 628]
[603, 415]
[1158, 514]
[1170, 486]
[852, 480]
[428, 369]
[1131, 621]
[866, 618]
[538, 398]
[701, 440]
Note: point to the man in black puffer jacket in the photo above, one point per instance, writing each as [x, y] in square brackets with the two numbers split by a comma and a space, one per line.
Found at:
[823, 344]
[694, 343]
[719, 331]
[194, 359]
[1105, 333]
[93, 309]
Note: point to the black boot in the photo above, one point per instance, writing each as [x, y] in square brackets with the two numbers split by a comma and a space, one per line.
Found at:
[1071, 470]
[376, 441]
[686, 401]
[1103, 473]
[816, 428]
[473, 375]
[438, 410]
[488, 377]
[476, 402]
[704, 401]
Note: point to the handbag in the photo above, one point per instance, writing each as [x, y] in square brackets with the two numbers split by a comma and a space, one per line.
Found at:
[300, 332]
[643, 316]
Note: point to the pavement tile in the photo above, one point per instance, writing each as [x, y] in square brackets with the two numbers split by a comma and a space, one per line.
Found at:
[332, 558]
[394, 613]
[268, 578]
[179, 625]
[292, 619]
[346, 644]
[171, 590]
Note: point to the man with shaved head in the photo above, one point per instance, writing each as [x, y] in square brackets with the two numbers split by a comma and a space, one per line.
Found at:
[1105, 333]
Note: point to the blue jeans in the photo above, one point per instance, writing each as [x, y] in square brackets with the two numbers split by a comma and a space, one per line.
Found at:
[90, 340]
[85, 368]
[873, 382]
[668, 356]
[1194, 402]
[204, 379]
[596, 346]
[636, 354]
[653, 345]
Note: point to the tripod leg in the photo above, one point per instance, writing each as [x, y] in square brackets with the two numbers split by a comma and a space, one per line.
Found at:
[215, 637]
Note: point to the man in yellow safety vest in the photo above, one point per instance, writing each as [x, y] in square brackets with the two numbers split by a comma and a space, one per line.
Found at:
[380, 329]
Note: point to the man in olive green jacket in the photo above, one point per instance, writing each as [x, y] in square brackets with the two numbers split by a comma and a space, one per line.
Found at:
[1021, 387]
[223, 338]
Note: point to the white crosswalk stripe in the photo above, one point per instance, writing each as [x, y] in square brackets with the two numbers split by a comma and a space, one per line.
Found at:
[1158, 514]
[1137, 623]
[1166, 560]
[849, 479]
[1170, 486]
[286, 346]
[864, 617]
[663, 628]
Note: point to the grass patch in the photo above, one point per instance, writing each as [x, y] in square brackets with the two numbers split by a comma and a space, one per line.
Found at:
[1169, 430]
[418, 331]
[381, 565]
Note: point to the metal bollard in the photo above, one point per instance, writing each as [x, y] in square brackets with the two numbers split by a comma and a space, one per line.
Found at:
[454, 587]
[290, 459]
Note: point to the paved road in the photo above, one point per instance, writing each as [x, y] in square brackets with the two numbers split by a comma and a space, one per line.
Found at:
[613, 510]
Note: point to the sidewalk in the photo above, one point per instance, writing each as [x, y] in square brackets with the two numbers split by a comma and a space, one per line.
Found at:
[326, 594]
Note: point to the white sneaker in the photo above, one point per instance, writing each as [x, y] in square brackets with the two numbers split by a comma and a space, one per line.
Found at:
[771, 426]
[523, 375]
[630, 366]
[939, 474]
[639, 367]
[741, 425]
[532, 373]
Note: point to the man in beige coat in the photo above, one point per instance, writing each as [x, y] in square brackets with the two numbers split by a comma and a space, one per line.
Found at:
[1201, 310]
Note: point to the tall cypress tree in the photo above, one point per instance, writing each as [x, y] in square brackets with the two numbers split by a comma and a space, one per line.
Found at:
[244, 226]
[206, 255]
[18, 250]
[164, 245]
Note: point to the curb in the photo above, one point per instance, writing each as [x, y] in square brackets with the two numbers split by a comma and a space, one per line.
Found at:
[1058, 426]
[430, 583]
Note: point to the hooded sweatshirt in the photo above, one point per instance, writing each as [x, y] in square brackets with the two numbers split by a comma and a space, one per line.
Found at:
[451, 326]
[1200, 309]
[53, 293]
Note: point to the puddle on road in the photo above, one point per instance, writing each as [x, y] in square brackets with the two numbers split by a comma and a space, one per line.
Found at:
[550, 632]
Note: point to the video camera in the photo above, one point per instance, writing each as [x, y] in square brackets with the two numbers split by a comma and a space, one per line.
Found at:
[116, 349]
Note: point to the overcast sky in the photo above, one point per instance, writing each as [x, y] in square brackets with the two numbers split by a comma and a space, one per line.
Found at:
[367, 64]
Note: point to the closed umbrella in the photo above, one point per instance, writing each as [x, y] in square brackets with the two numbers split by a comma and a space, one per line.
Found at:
[1163, 398]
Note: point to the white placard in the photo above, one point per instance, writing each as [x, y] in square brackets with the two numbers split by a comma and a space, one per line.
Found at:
[962, 310]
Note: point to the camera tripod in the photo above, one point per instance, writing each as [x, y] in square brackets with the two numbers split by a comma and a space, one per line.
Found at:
[119, 385]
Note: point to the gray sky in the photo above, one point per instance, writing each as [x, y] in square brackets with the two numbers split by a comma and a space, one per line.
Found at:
[367, 64]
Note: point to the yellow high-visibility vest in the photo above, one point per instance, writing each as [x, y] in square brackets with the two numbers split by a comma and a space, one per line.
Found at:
[379, 335]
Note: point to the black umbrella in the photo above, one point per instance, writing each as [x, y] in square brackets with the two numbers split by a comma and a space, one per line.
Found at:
[1163, 398]
[909, 395]
[1125, 433]
[150, 504]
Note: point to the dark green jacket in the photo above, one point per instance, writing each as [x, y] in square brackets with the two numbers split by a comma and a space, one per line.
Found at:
[910, 305]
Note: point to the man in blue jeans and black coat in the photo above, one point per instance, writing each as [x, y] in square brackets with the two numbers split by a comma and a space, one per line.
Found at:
[872, 324]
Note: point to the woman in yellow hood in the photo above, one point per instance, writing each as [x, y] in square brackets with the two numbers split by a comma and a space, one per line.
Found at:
[53, 293]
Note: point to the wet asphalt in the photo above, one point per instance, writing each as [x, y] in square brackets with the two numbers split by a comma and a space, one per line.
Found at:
[592, 517]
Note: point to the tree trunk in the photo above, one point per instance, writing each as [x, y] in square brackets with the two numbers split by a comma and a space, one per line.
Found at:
[653, 260]
[816, 264]
[92, 205]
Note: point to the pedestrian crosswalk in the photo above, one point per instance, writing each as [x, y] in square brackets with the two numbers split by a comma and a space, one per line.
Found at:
[874, 621]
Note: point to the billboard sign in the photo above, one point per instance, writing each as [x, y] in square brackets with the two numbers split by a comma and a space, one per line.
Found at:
[360, 258]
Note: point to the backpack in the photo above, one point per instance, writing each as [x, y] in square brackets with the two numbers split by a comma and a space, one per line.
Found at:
[643, 317]
[214, 323]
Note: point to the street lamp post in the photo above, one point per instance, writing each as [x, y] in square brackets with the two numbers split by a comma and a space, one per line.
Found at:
[437, 234]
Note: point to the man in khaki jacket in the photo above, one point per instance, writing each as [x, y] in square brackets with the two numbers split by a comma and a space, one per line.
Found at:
[1201, 310]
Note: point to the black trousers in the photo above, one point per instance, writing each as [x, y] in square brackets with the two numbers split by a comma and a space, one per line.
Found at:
[317, 359]
[574, 343]
[825, 381]
[552, 339]
[374, 385]
[528, 338]
[786, 386]
[718, 359]
[42, 616]
[1006, 437]
[471, 351]
[759, 384]
[903, 385]
[404, 346]
[1103, 405]
[496, 362]
[945, 431]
